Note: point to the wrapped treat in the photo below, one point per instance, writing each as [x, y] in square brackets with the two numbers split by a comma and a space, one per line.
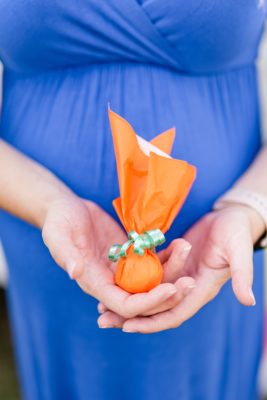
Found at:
[153, 187]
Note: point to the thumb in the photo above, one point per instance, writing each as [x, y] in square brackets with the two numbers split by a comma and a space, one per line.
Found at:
[173, 259]
[241, 267]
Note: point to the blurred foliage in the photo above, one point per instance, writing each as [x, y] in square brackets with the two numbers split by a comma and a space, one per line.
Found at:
[8, 381]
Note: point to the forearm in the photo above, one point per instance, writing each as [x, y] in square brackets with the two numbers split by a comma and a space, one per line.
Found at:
[255, 178]
[27, 188]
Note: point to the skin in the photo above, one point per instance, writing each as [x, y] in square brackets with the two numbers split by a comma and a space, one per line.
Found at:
[71, 229]
[221, 246]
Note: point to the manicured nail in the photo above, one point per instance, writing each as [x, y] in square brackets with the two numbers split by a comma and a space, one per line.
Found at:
[106, 326]
[188, 289]
[71, 267]
[170, 293]
[252, 296]
[193, 286]
[127, 330]
[101, 308]
[186, 251]
[188, 247]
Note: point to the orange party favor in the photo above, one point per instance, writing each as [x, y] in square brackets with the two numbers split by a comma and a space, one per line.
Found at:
[153, 188]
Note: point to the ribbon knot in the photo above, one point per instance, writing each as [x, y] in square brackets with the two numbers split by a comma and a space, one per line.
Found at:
[147, 240]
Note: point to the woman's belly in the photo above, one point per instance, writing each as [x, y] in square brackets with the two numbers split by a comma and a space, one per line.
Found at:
[60, 119]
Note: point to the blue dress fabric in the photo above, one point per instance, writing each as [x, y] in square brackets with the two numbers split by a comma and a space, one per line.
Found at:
[159, 63]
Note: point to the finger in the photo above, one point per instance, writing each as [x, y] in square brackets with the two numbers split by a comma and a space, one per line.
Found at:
[110, 320]
[101, 308]
[173, 258]
[130, 305]
[241, 266]
[184, 285]
[206, 289]
[65, 253]
[98, 281]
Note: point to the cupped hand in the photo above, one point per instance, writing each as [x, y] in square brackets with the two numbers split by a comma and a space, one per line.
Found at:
[78, 235]
[222, 247]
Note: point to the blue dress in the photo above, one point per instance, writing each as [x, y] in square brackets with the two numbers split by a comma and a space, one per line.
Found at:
[159, 63]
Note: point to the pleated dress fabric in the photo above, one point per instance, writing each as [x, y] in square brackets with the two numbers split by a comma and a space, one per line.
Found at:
[160, 63]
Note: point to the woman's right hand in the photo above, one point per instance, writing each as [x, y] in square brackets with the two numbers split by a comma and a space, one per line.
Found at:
[78, 235]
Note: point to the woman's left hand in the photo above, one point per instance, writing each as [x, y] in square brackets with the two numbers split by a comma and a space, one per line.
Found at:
[222, 247]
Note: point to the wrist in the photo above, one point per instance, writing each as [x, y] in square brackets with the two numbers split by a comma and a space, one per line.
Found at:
[252, 204]
[256, 222]
[57, 193]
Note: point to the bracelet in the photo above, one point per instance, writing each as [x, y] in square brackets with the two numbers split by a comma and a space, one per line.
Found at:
[249, 198]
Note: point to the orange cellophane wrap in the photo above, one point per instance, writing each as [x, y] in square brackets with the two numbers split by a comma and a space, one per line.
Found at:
[152, 190]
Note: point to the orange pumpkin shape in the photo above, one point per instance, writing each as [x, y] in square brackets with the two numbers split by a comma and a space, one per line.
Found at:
[136, 273]
[153, 187]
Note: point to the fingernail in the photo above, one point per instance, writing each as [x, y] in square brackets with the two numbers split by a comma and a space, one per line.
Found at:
[188, 247]
[106, 326]
[191, 286]
[188, 289]
[186, 251]
[126, 330]
[252, 296]
[101, 308]
[170, 293]
[71, 266]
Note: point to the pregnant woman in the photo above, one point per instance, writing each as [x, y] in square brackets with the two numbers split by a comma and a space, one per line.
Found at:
[189, 64]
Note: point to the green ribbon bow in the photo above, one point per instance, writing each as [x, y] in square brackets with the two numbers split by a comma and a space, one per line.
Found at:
[147, 240]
